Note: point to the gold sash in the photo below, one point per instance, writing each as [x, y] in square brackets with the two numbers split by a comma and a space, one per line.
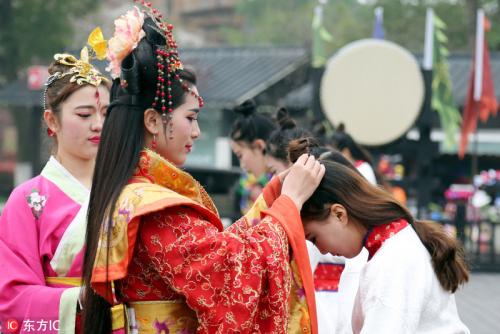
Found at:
[68, 281]
[162, 317]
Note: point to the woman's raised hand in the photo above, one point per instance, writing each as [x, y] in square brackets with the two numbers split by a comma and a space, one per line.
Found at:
[282, 175]
[303, 179]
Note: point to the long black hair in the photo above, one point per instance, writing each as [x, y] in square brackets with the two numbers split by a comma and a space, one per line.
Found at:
[122, 140]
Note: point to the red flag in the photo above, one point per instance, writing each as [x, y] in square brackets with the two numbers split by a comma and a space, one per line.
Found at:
[487, 103]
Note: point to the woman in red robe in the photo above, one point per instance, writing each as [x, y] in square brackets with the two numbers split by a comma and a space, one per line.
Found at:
[157, 255]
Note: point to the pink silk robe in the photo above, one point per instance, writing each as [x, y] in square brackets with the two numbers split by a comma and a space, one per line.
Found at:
[42, 230]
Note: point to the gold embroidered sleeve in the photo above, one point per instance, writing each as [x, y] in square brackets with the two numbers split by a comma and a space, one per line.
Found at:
[234, 281]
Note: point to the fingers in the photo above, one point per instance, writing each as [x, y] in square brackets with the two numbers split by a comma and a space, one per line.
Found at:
[303, 178]
[283, 174]
[302, 159]
[310, 163]
[306, 160]
[316, 169]
[318, 172]
[321, 173]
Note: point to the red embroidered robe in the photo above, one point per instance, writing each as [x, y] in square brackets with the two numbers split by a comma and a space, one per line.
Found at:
[168, 245]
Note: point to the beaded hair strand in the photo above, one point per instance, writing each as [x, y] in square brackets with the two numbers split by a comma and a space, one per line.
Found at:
[169, 64]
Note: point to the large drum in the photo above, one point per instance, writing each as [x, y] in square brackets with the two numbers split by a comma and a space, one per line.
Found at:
[375, 88]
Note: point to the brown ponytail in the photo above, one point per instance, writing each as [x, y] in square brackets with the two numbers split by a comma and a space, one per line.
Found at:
[446, 252]
[372, 206]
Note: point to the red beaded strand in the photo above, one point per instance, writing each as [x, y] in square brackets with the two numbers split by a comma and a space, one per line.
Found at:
[170, 56]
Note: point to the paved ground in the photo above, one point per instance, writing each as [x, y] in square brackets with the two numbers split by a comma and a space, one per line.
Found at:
[479, 303]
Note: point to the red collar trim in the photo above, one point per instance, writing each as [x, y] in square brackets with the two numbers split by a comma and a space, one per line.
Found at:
[377, 235]
[358, 163]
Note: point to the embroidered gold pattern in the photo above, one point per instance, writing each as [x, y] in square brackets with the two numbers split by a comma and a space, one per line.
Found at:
[238, 280]
[229, 280]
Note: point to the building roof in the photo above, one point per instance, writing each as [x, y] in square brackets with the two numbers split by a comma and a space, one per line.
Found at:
[18, 94]
[460, 66]
[460, 70]
[225, 75]
[232, 75]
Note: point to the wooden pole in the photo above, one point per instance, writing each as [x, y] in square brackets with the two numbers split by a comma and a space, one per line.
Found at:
[425, 148]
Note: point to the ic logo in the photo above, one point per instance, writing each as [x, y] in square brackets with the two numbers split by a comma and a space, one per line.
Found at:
[12, 326]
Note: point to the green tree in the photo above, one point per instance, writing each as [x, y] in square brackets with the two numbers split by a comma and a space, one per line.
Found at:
[288, 22]
[492, 11]
[405, 21]
[33, 30]
[274, 22]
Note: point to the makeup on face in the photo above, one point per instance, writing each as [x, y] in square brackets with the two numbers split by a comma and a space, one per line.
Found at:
[81, 118]
[182, 131]
[251, 159]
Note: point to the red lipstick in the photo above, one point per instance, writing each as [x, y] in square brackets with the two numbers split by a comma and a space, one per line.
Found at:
[95, 139]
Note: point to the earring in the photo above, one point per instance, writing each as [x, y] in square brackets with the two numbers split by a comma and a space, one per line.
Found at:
[167, 121]
[50, 133]
[170, 131]
[154, 144]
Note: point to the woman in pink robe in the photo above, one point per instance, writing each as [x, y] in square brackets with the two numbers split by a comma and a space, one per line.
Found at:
[42, 227]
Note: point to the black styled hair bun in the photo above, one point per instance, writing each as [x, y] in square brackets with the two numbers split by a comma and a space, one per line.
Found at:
[246, 109]
[153, 33]
[341, 128]
[130, 76]
[285, 122]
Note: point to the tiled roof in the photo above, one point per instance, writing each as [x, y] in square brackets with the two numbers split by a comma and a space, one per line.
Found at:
[460, 67]
[225, 75]
[18, 94]
[300, 98]
[233, 74]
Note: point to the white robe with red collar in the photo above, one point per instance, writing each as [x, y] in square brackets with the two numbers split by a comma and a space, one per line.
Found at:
[399, 292]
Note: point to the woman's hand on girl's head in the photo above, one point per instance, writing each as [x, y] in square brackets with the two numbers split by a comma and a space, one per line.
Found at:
[282, 175]
[302, 179]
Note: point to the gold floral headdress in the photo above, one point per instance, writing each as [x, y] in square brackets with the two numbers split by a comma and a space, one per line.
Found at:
[81, 70]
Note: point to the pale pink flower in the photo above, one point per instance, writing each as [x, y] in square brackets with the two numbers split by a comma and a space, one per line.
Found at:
[128, 34]
[36, 202]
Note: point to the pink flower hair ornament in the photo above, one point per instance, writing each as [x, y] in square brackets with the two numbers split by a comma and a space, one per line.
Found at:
[129, 31]
[128, 34]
